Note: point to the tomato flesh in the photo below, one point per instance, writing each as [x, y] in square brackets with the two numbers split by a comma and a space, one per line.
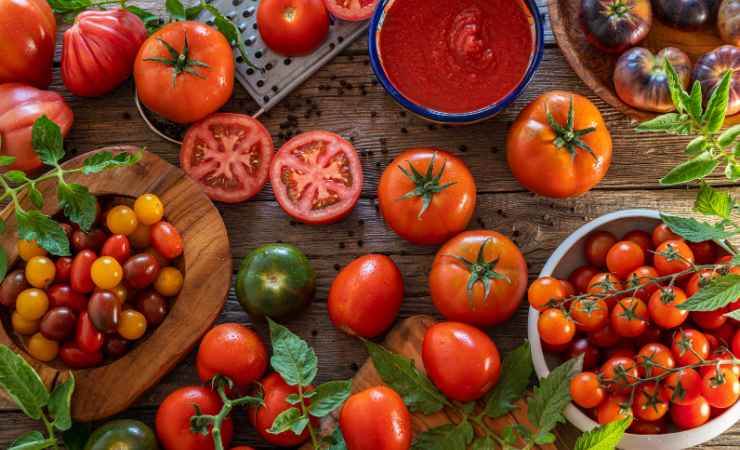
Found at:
[352, 10]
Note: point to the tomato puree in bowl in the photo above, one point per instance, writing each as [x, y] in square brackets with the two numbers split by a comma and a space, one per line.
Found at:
[456, 56]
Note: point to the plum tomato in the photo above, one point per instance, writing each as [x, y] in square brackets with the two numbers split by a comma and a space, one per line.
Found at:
[624, 257]
[234, 351]
[153, 306]
[615, 407]
[589, 314]
[172, 421]
[63, 295]
[105, 311]
[597, 246]
[275, 402]
[122, 434]
[581, 277]
[685, 14]
[200, 61]
[13, 284]
[29, 31]
[586, 390]
[352, 10]
[630, 318]
[642, 276]
[555, 327]
[91, 240]
[32, 304]
[79, 278]
[478, 277]
[42, 348]
[28, 249]
[648, 404]
[149, 209]
[23, 326]
[141, 270]
[169, 281]
[709, 69]
[705, 252]
[446, 342]
[682, 387]
[74, 358]
[106, 272]
[293, 27]
[618, 373]
[662, 233]
[366, 295]
[672, 257]
[640, 79]
[545, 292]
[131, 325]
[40, 271]
[317, 177]
[616, 25]
[118, 247]
[720, 387]
[87, 337]
[229, 155]
[691, 415]
[166, 240]
[654, 359]
[689, 346]
[376, 418]
[427, 196]
[63, 269]
[58, 323]
[591, 354]
[663, 307]
[728, 21]
[562, 162]
[121, 219]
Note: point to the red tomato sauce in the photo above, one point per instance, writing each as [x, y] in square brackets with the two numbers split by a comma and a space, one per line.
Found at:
[456, 56]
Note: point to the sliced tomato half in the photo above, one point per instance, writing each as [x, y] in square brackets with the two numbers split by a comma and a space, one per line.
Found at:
[317, 177]
[229, 155]
[352, 10]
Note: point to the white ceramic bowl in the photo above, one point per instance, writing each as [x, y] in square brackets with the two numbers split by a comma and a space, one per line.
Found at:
[566, 258]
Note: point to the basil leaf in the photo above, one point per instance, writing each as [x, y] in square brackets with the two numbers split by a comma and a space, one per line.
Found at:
[106, 160]
[691, 170]
[60, 403]
[517, 370]
[670, 123]
[176, 9]
[719, 292]
[604, 437]
[400, 373]
[292, 357]
[729, 136]
[694, 231]
[3, 263]
[33, 440]
[329, 396]
[76, 437]
[712, 202]
[714, 115]
[483, 443]
[550, 398]
[697, 146]
[22, 383]
[47, 141]
[6, 160]
[35, 226]
[78, 204]
[290, 419]
[446, 437]
[335, 441]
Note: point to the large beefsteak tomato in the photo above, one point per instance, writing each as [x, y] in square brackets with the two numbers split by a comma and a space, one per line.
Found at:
[27, 36]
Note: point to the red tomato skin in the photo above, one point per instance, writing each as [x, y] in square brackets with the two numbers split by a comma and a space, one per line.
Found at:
[172, 421]
[698, 342]
[692, 415]
[99, 51]
[234, 351]
[705, 252]
[80, 279]
[589, 351]
[293, 27]
[64, 295]
[666, 267]
[166, 240]
[63, 269]
[735, 344]
[662, 233]
[75, 358]
[447, 343]
[118, 247]
[624, 257]
[597, 247]
[581, 277]
[20, 106]
[376, 419]
[724, 395]
[27, 38]
[276, 390]
[87, 337]
[366, 296]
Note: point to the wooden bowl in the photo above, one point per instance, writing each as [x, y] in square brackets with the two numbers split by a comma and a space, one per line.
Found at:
[596, 67]
[107, 390]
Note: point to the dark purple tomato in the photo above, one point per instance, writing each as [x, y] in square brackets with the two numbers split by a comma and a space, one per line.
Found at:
[63, 269]
[686, 14]
[616, 25]
[79, 276]
[75, 358]
[166, 239]
[87, 337]
[58, 323]
[13, 284]
[116, 347]
[118, 247]
[104, 310]
[728, 21]
[92, 240]
[63, 295]
[640, 78]
[710, 68]
[153, 306]
[141, 270]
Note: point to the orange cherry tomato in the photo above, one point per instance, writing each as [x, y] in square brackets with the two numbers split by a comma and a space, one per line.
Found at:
[586, 390]
[663, 307]
[672, 257]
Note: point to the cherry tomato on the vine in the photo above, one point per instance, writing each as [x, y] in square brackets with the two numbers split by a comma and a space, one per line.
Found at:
[619, 373]
[689, 346]
[654, 359]
[597, 247]
[624, 257]
[662, 233]
[589, 314]
[663, 309]
[682, 387]
[586, 390]
[720, 387]
[629, 318]
[691, 415]
[648, 404]
[173, 419]
[545, 292]
[581, 277]
[672, 257]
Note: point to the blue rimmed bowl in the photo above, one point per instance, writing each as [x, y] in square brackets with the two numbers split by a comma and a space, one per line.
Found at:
[442, 117]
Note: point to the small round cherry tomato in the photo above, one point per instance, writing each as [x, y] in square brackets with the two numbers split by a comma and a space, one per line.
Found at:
[699, 280]
[24, 326]
[118, 247]
[682, 387]
[173, 419]
[140, 237]
[92, 240]
[643, 427]
[605, 337]
[705, 252]
[663, 307]
[581, 277]
[106, 272]
[709, 320]
[589, 314]
[689, 346]
[13, 284]
[32, 304]
[624, 257]
[603, 284]
[591, 354]
[121, 219]
[641, 238]
[545, 292]
[63, 295]
[642, 276]
[654, 359]
[374, 419]
[691, 415]
[169, 281]
[120, 292]
[131, 324]
[662, 233]
[74, 358]
[720, 387]
[276, 392]
[629, 318]
[80, 279]
[87, 337]
[619, 373]
[40, 271]
[166, 240]
[149, 209]
[648, 404]
[105, 311]
[555, 327]
[672, 257]
[29, 249]
[141, 270]
[597, 247]
[234, 351]
[153, 306]
[58, 323]
[616, 407]
[42, 348]
[63, 269]
[586, 390]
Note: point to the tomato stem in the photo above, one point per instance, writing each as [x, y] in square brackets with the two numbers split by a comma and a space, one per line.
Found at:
[180, 61]
[427, 185]
[567, 136]
[481, 271]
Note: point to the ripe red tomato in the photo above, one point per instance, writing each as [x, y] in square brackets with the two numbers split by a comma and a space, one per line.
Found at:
[63, 269]
[27, 37]
[735, 344]
[79, 277]
[447, 342]
[672, 257]
[618, 373]
[99, 51]
[705, 252]
[545, 292]
[698, 280]
[555, 327]
[654, 359]
[709, 320]
[682, 387]
[427, 195]
[663, 307]
[605, 337]
[352, 10]
[586, 390]
[365, 297]
[87, 337]
[643, 427]
[689, 346]
[173, 419]
[166, 240]
[118, 247]
[648, 404]
[73, 357]
[275, 390]
[234, 351]
[317, 177]
[229, 155]
[604, 283]
[691, 415]
[20, 106]
[624, 257]
[376, 418]
[629, 318]
[597, 246]
[720, 388]
[198, 90]
[615, 407]
[589, 314]
[581, 277]
[582, 346]
[642, 276]
[293, 27]
[63, 295]
[662, 233]
[641, 238]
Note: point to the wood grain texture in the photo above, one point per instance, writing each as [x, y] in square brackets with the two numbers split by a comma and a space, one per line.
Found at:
[206, 265]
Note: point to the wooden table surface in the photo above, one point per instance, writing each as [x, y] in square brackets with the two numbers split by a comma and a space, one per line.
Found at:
[345, 98]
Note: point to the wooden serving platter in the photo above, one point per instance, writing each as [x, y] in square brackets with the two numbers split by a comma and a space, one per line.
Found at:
[406, 339]
[206, 263]
[596, 67]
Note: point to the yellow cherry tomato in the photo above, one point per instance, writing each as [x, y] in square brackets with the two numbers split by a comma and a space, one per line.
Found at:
[168, 282]
[121, 220]
[23, 326]
[149, 209]
[140, 237]
[106, 272]
[40, 271]
[32, 304]
[29, 249]
[131, 324]
[41, 348]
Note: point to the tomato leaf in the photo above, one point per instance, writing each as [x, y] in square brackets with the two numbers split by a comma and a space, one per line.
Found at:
[290, 419]
[33, 440]
[400, 373]
[675, 88]
[193, 12]
[446, 437]
[76, 437]
[712, 202]
[516, 370]
[733, 314]
[35, 226]
[717, 293]
[101, 161]
[335, 441]
[6, 160]
[671, 123]
[483, 443]
[693, 169]
[151, 20]
[329, 396]
[694, 231]
[176, 9]
[60, 403]
[714, 114]
[550, 398]
[47, 141]
[16, 176]
[78, 204]
[69, 6]
[292, 357]
[604, 437]
[22, 383]
[36, 198]
[732, 171]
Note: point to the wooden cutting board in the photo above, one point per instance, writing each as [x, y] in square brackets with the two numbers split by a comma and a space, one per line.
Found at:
[406, 339]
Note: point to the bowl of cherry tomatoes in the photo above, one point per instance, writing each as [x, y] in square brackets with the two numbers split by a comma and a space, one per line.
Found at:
[609, 292]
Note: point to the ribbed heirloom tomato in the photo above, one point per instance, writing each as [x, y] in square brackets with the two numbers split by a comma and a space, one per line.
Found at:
[427, 195]
[234, 351]
[27, 37]
[173, 419]
[478, 277]
[376, 419]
